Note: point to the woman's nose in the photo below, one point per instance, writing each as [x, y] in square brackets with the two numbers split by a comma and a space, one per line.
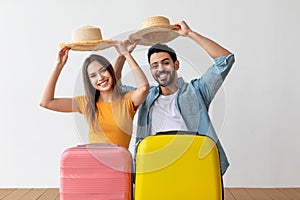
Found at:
[99, 76]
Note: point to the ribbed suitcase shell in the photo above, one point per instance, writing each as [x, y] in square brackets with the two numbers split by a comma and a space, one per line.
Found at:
[178, 167]
[96, 172]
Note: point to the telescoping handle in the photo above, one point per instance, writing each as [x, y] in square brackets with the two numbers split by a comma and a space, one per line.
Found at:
[98, 145]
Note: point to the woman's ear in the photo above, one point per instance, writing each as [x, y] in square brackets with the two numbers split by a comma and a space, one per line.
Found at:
[177, 64]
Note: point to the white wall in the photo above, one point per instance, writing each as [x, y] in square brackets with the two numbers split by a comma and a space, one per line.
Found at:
[256, 112]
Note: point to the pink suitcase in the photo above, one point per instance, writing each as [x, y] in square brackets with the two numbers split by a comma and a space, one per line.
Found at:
[96, 172]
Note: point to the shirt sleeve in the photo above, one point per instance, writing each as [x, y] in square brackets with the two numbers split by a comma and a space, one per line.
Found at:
[130, 104]
[213, 78]
[81, 102]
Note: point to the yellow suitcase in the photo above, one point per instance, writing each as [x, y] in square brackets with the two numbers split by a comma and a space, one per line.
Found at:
[178, 167]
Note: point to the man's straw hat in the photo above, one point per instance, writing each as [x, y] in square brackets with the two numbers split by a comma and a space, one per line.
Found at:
[154, 30]
[87, 38]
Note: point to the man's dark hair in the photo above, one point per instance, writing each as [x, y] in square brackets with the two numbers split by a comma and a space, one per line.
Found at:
[162, 48]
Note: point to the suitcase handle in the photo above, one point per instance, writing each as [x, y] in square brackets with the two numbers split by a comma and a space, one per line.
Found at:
[177, 132]
[98, 145]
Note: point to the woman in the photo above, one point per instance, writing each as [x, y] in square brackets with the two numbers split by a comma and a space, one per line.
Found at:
[108, 110]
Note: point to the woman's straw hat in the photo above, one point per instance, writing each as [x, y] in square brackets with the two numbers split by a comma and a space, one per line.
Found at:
[87, 38]
[154, 30]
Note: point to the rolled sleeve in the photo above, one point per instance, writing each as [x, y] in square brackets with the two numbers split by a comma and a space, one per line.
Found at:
[224, 64]
[213, 78]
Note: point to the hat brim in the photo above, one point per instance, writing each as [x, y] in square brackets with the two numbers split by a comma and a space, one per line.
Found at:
[88, 45]
[152, 35]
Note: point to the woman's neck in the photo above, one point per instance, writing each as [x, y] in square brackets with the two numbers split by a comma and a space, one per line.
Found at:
[106, 96]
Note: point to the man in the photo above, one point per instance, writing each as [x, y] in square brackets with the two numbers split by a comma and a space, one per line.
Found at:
[177, 105]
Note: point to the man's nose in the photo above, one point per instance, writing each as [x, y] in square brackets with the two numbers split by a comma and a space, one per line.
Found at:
[160, 67]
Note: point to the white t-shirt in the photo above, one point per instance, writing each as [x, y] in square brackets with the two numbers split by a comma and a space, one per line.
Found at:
[165, 116]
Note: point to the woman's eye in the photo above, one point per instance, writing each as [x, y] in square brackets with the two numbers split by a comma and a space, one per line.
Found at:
[101, 71]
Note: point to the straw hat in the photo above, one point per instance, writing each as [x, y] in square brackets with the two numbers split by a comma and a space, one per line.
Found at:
[87, 38]
[154, 30]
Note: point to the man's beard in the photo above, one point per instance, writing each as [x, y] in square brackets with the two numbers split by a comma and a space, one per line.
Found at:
[170, 76]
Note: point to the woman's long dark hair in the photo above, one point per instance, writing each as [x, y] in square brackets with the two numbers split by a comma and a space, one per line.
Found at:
[91, 93]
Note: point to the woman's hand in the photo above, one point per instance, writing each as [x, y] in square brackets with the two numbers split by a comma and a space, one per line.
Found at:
[124, 47]
[120, 47]
[62, 56]
[130, 46]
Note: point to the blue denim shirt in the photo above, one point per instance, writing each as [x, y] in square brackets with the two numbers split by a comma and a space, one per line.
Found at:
[192, 101]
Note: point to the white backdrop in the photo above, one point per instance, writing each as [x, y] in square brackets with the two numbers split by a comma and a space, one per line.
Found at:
[256, 112]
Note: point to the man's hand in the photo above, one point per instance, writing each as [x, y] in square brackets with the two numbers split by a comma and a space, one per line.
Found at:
[183, 28]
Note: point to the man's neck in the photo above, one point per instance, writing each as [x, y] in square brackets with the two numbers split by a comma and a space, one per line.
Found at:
[168, 90]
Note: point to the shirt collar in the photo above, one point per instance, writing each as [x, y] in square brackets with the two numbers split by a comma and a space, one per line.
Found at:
[179, 83]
